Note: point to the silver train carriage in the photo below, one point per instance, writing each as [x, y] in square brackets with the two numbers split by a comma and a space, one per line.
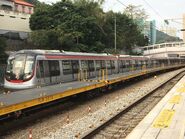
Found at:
[31, 68]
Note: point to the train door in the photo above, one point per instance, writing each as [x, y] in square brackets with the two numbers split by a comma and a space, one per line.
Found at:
[43, 74]
[98, 67]
[67, 70]
[84, 69]
[54, 69]
[75, 69]
[91, 68]
[113, 67]
[128, 65]
[119, 66]
[124, 68]
[108, 67]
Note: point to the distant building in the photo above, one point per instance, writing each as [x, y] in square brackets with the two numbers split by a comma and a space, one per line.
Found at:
[14, 18]
[148, 28]
[150, 31]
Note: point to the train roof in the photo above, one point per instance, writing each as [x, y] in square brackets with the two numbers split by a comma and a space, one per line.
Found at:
[58, 52]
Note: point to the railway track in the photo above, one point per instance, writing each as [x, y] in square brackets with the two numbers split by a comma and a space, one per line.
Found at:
[121, 124]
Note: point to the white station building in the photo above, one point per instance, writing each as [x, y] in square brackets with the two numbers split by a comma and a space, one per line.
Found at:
[174, 49]
[15, 17]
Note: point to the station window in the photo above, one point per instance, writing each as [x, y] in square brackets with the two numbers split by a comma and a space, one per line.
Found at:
[162, 46]
[12, 16]
[16, 8]
[67, 68]
[30, 10]
[23, 9]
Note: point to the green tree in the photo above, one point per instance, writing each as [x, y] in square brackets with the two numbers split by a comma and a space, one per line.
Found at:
[81, 25]
[136, 12]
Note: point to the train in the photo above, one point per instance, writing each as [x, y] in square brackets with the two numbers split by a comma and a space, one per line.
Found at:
[32, 68]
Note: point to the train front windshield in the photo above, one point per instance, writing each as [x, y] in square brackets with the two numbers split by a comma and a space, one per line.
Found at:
[20, 67]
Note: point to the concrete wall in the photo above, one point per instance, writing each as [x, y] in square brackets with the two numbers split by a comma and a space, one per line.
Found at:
[14, 21]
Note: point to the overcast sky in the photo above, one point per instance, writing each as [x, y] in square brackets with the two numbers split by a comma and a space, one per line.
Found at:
[156, 9]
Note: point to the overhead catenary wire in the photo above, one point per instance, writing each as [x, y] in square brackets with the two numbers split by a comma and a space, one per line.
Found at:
[122, 3]
[177, 22]
[155, 11]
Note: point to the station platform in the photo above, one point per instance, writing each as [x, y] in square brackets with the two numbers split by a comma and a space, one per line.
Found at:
[20, 100]
[167, 119]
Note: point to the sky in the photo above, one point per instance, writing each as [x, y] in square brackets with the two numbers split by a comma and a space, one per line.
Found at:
[158, 10]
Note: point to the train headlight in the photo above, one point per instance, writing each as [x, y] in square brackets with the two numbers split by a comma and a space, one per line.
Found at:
[27, 76]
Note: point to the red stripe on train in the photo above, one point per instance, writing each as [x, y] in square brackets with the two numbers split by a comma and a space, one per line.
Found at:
[16, 81]
[81, 57]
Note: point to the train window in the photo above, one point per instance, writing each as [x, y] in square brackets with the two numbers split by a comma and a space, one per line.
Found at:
[133, 62]
[127, 63]
[112, 64]
[136, 63]
[46, 68]
[98, 64]
[40, 74]
[67, 68]
[75, 66]
[108, 63]
[102, 64]
[91, 65]
[44, 71]
[139, 63]
[84, 65]
[54, 68]
[123, 63]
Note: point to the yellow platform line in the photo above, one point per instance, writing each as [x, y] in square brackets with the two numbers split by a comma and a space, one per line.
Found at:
[175, 99]
[164, 119]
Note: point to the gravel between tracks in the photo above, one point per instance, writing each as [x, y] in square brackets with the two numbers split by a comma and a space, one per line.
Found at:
[81, 120]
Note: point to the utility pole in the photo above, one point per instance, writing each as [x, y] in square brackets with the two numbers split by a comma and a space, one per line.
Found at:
[115, 33]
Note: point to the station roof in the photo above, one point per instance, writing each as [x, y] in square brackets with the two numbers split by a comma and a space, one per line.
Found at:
[22, 2]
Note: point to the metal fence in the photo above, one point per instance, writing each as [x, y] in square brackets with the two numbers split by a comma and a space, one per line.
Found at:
[2, 70]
